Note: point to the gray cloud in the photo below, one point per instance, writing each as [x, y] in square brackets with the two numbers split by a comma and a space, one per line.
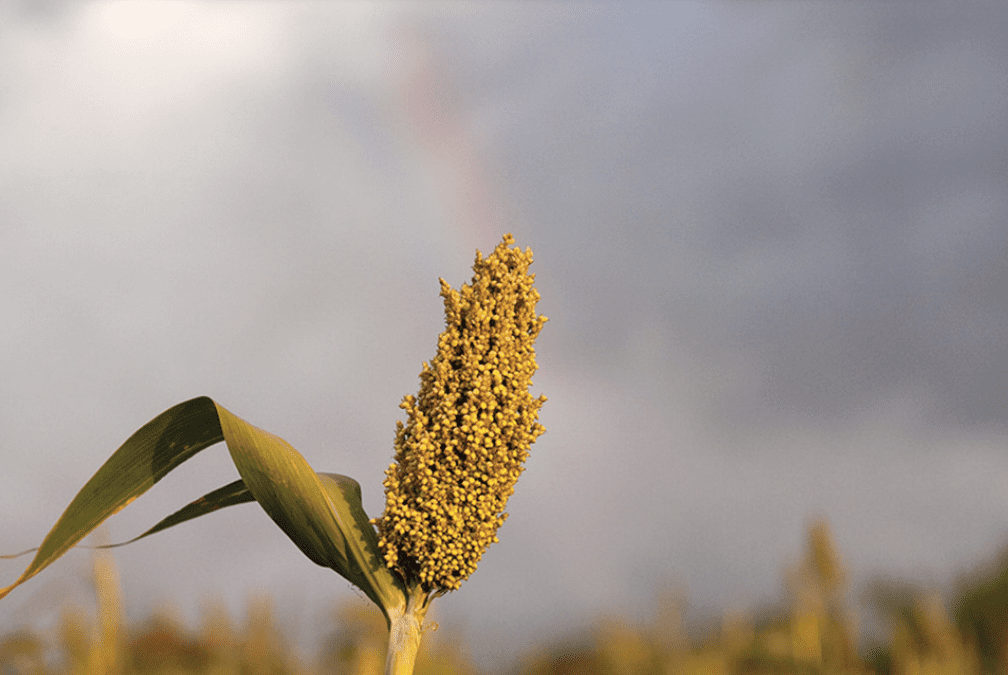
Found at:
[771, 241]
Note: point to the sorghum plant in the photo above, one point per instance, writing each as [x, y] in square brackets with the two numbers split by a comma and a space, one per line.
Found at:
[457, 458]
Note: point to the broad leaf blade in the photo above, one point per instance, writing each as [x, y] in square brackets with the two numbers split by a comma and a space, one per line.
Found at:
[322, 515]
[155, 449]
[296, 499]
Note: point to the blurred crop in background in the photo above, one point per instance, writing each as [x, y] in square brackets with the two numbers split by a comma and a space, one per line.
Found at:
[811, 630]
[772, 239]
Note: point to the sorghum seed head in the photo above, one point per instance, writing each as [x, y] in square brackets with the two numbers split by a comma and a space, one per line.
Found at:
[469, 431]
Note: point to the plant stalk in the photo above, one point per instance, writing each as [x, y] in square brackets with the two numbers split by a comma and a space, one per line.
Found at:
[405, 630]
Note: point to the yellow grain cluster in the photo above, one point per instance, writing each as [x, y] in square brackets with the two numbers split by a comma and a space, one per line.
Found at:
[469, 431]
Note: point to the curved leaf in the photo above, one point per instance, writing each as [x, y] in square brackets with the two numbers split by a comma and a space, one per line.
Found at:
[343, 492]
[321, 513]
[229, 495]
[155, 449]
[11, 556]
[324, 522]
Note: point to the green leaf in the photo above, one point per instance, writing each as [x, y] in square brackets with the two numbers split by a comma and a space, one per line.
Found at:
[321, 513]
[145, 458]
[324, 521]
[229, 495]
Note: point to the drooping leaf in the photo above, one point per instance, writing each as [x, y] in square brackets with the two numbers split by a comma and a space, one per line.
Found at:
[11, 556]
[345, 495]
[343, 491]
[229, 495]
[145, 458]
[325, 524]
[321, 513]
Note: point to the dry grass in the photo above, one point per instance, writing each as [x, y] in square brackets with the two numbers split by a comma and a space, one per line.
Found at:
[813, 631]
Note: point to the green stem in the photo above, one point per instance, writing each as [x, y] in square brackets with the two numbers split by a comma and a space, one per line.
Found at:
[405, 629]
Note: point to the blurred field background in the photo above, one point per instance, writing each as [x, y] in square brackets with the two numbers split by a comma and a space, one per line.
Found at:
[771, 239]
[812, 628]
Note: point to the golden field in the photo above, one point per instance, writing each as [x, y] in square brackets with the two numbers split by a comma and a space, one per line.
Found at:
[812, 630]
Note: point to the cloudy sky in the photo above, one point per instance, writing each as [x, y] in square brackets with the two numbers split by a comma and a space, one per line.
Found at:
[772, 242]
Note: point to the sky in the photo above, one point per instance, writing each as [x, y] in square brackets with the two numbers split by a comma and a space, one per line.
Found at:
[771, 240]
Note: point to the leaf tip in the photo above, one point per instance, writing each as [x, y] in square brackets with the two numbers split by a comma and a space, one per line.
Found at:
[6, 590]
